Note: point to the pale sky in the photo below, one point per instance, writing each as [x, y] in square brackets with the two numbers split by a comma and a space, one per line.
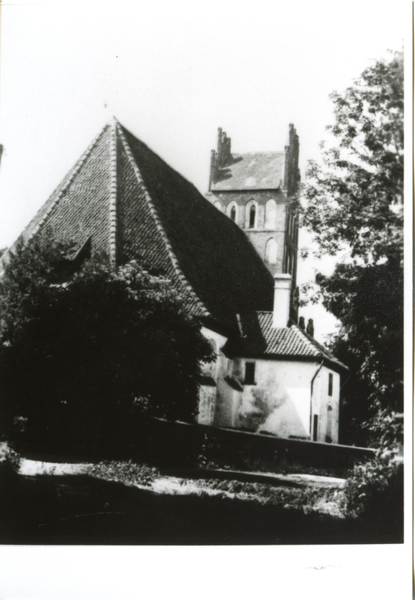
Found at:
[172, 73]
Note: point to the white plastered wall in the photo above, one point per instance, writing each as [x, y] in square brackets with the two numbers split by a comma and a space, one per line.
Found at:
[280, 401]
[321, 402]
[282, 394]
[213, 373]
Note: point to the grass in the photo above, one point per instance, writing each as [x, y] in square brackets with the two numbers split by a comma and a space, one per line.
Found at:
[307, 500]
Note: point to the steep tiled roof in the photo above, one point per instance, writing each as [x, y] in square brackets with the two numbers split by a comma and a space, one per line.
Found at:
[255, 171]
[260, 338]
[131, 204]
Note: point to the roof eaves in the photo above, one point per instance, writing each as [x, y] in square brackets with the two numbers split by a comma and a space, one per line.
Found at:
[325, 354]
[158, 222]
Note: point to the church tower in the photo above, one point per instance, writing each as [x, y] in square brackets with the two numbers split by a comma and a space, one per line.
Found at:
[254, 190]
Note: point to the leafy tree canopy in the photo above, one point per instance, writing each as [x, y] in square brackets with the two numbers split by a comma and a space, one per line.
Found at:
[354, 199]
[80, 349]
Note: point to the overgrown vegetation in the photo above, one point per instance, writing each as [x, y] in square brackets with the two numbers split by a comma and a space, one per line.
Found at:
[81, 349]
[9, 458]
[128, 472]
[375, 489]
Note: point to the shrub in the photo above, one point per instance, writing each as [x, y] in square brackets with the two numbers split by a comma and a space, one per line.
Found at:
[9, 459]
[374, 494]
[76, 349]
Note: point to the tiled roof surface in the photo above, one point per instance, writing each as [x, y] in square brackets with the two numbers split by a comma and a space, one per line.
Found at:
[83, 209]
[214, 255]
[130, 203]
[260, 338]
[255, 171]
[60, 192]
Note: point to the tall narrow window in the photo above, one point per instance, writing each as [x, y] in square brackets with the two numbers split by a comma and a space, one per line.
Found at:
[329, 437]
[252, 215]
[233, 213]
[315, 428]
[330, 384]
[250, 373]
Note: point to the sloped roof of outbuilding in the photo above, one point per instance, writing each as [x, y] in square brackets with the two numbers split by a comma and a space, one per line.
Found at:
[252, 171]
[260, 339]
[132, 205]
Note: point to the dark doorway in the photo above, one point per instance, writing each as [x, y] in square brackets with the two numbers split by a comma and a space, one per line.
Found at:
[315, 428]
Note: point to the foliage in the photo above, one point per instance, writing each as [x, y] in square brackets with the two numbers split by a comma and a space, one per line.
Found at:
[354, 197]
[78, 348]
[129, 473]
[9, 458]
[374, 494]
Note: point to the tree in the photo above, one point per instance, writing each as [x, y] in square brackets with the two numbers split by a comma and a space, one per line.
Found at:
[354, 207]
[78, 350]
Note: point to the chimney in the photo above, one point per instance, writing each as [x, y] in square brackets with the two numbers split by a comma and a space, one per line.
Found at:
[281, 300]
[310, 327]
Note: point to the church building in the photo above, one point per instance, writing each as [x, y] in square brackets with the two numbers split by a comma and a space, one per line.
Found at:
[234, 267]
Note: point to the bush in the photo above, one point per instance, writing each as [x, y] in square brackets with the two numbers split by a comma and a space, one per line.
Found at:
[78, 347]
[9, 459]
[374, 493]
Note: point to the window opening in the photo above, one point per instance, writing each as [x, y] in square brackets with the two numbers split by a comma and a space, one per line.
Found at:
[330, 384]
[315, 428]
[329, 437]
[233, 213]
[252, 214]
[250, 373]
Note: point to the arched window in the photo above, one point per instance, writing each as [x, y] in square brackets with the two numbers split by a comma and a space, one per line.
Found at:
[271, 252]
[252, 216]
[232, 211]
[218, 206]
[270, 214]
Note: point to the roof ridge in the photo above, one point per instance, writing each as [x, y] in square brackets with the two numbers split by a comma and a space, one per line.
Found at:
[260, 152]
[157, 220]
[75, 170]
[113, 193]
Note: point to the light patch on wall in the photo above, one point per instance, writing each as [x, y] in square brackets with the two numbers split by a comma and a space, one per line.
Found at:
[290, 415]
